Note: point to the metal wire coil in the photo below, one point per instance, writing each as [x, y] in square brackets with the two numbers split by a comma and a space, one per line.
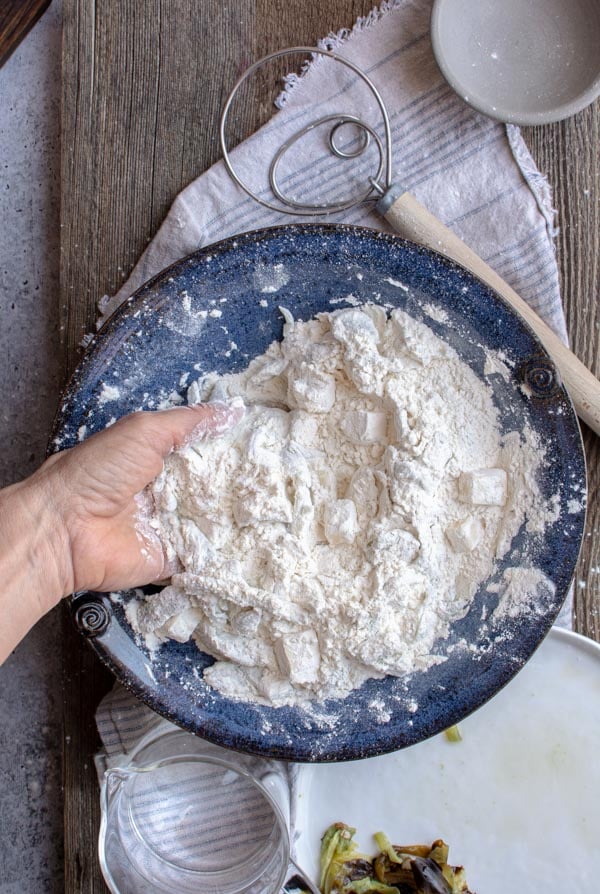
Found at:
[289, 205]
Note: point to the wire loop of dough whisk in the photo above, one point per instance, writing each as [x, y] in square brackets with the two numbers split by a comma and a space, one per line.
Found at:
[341, 120]
[378, 184]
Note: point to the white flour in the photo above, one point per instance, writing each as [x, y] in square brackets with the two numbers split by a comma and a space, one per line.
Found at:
[341, 527]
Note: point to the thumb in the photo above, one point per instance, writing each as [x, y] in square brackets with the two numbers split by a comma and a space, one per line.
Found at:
[181, 425]
[166, 430]
[136, 446]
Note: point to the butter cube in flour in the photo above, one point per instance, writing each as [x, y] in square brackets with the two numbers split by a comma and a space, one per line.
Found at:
[465, 535]
[365, 426]
[303, 428]
[340, 522]
[298, 656]
[484, 487]
[309, 390]
[181, 626]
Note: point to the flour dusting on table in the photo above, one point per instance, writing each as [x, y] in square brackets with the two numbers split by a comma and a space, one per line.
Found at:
[340, 528]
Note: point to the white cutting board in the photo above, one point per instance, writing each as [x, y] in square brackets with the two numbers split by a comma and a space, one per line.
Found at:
[517, 800]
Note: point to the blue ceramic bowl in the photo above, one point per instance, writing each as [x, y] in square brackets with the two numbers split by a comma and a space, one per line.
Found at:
[160, 337]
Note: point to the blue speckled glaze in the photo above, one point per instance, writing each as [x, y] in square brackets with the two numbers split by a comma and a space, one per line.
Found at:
[165, 336]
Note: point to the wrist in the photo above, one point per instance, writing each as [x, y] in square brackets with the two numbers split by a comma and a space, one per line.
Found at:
[33, 536]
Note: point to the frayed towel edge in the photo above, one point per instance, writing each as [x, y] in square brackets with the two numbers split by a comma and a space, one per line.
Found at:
[335, 41]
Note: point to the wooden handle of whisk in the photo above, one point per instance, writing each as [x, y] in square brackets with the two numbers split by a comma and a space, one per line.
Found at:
[413, 221]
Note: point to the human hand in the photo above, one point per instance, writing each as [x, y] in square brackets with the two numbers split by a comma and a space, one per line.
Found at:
[77, 523]
[97, 488]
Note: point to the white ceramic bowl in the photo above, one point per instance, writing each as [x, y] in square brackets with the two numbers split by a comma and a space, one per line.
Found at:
[520, 61]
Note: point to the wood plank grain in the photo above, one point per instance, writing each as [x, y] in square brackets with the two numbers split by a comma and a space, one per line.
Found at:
[568, 153]
[288, 24]
[17, 18]
[85, 680]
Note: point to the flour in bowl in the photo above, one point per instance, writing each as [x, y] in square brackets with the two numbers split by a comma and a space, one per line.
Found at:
[348, 519]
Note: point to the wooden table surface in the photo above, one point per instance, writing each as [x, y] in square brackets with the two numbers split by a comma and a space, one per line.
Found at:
[143, 87]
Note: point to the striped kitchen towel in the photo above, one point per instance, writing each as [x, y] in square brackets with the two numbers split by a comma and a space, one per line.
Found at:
[475, 174]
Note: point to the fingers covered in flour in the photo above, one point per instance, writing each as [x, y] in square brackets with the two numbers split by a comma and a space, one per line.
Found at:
[181, 426]
[169, 430]
[215, 419]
